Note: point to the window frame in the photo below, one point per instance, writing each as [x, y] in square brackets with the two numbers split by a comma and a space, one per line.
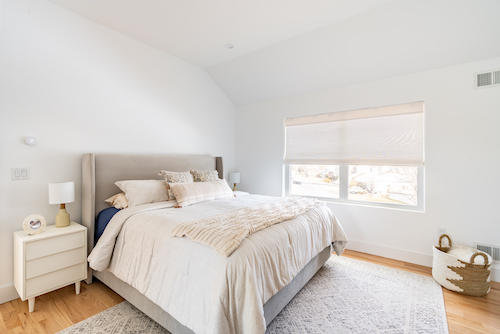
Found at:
[344, 188]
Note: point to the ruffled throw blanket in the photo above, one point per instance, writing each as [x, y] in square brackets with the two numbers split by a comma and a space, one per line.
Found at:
[225, 232]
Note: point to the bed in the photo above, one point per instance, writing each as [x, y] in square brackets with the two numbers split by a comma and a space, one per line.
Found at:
[143, 288]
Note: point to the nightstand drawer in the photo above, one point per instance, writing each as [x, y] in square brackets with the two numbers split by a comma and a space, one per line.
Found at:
[56, 279]
[44, 247]
[54, 262]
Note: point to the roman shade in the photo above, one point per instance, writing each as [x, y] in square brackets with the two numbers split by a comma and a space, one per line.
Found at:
[390, 135]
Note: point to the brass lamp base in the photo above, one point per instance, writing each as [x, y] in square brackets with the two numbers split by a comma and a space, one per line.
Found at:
[62, 218]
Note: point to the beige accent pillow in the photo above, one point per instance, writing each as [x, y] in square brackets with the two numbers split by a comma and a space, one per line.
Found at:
[119, 201]
[175, 177]
[190, 193]
[205, 175]
[143, 191]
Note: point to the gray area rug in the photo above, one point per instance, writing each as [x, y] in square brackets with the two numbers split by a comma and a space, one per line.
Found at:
[345, 296]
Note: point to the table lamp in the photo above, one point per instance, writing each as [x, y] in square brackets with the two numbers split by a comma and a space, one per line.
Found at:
[62, 193]
[234, 178]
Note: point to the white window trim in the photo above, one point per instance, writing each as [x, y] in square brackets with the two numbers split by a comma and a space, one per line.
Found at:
[343, 190]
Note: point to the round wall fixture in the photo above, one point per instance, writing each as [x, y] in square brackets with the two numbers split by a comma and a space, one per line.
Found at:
[30, 141]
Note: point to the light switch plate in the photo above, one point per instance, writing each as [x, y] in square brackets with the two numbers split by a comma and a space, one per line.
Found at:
[17, 174]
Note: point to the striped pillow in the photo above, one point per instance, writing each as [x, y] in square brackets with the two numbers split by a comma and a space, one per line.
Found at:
[190, 193]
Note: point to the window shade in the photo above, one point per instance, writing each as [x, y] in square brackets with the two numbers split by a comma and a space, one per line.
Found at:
[391, 135]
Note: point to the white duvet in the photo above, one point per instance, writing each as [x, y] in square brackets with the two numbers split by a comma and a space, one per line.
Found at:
[204, 290]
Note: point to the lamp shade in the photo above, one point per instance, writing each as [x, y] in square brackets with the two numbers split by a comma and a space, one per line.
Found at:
[234, 177]
[60, 193]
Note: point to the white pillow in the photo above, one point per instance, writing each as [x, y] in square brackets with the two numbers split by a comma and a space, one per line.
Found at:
[204, 175]
[175, 177]
[190, 193]
[143, 191]
[119, 201]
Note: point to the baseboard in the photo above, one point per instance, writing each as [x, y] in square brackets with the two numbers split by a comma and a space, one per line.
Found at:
[7, 293]
[406, 256]
[392, 253]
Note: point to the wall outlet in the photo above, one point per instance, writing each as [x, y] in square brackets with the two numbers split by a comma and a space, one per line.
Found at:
[17, 174]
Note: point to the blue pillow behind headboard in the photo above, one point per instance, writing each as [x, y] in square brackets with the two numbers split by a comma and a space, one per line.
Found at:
[102, 221]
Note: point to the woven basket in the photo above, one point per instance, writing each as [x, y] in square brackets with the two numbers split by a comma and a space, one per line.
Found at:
[461, 269]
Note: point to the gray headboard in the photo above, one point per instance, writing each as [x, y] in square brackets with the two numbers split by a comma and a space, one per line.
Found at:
[101, 170]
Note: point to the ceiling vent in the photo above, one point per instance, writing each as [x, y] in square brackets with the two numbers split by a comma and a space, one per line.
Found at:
[488, 79]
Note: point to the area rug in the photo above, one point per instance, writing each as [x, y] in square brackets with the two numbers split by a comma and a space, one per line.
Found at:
[345, 296]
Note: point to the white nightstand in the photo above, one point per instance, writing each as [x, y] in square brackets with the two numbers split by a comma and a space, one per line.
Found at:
[50, 260]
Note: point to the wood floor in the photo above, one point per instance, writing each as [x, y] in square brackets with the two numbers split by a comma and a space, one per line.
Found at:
[62, 308]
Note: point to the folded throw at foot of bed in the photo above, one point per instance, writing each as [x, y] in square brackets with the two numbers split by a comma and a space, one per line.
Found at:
[226, 232]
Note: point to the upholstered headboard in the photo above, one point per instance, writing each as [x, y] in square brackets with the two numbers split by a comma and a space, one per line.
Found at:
[101, 170]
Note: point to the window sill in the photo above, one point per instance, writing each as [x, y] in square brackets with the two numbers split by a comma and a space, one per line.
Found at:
[411, 209]
[376, 206]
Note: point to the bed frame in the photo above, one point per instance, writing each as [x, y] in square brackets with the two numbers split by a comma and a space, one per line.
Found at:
[101, 171]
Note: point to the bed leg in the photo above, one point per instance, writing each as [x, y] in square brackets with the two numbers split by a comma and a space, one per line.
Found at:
[88, 280]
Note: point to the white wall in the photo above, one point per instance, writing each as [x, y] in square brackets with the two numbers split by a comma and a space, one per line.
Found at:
[79, 87]
[462, 166]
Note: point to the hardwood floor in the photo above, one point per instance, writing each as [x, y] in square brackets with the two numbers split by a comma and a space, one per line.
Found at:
[62, 308]
[56, 310]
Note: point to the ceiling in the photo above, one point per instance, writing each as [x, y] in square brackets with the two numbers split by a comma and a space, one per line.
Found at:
[394, 39]
[286, 47]
[199, 30]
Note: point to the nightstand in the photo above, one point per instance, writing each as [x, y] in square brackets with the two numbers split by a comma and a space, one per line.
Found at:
[49, 260]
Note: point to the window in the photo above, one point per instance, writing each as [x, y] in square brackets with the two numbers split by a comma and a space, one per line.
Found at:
[363, 156]
[383, 184]
[315, 180]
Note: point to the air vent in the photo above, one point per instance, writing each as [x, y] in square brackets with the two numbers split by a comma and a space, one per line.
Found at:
[496, 77]
[484, 79]
[494, 251]
[488, 79]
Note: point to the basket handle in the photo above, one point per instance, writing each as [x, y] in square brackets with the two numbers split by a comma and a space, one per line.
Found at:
[441, 239]
[473, 257]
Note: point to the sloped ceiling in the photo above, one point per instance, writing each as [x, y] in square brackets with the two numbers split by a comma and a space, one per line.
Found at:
[285, 47]
[398, 38]
[198, 30]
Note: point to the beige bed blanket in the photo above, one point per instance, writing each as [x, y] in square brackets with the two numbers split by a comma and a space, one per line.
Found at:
[204, 290]
[225, 232]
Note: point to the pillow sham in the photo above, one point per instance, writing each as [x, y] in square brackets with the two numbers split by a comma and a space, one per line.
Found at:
[119, 201]
[175, 177]
[205, 175]
[143, 191]
[190, 193]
